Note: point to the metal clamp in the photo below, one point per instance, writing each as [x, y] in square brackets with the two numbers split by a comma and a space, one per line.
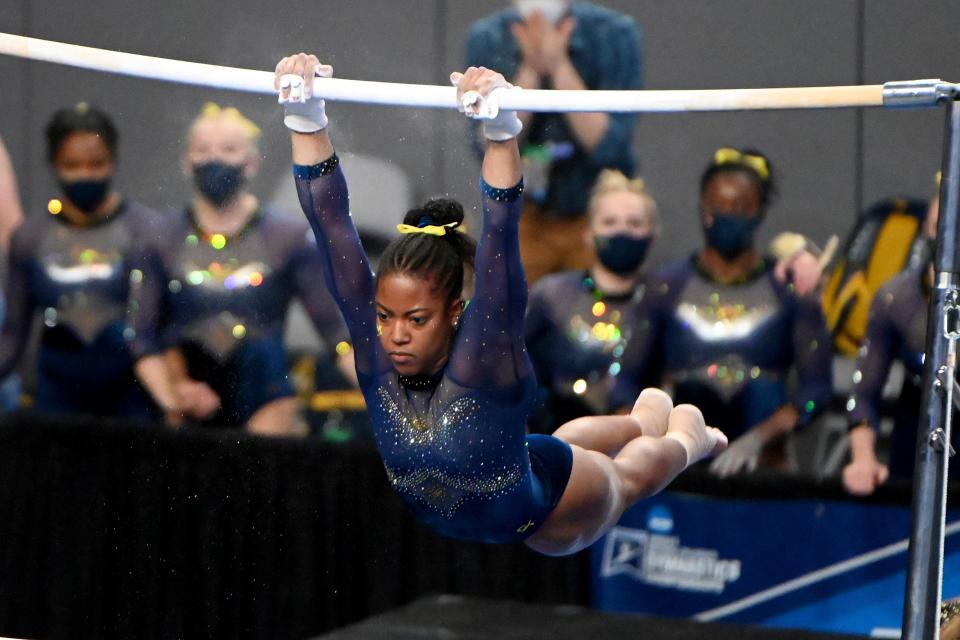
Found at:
[918, 93]
[938, 442]
[951, 315]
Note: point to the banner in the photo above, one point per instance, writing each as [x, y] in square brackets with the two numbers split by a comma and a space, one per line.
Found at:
[823, 565]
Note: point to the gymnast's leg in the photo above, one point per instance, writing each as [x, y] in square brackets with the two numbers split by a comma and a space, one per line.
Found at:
[609, 434]
[602, 487]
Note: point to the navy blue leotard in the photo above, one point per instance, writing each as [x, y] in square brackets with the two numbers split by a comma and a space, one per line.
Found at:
[456, 451]
[577, 336]
[223, 301]
[78, 278]
[728, 348]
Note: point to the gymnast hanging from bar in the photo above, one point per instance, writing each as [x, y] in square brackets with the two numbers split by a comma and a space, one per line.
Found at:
[449, 386]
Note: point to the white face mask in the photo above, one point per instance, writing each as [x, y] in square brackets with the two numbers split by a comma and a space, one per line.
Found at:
[551, 10]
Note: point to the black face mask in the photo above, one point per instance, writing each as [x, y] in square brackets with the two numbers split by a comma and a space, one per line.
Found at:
[86, 194]
[218, 181]
[731, 234]
[621, 253]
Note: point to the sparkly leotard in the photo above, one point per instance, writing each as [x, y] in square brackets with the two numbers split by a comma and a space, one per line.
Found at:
[728, 348]
[455, 450]
[896, 330]
[577, 336]
[223, 301]
[79, 276]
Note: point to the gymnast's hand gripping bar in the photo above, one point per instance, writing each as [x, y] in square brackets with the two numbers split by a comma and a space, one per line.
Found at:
[913, 93]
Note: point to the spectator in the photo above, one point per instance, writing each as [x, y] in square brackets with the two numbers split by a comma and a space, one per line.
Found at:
[562, 45]
[75, 265]
[579, 321]
[726, 333]
[210, 310]
[896, 330]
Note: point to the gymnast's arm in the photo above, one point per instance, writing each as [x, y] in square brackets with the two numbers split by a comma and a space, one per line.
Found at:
[813, 361]
[20, 304]
[306, 265]
[490, 350]
[488, 45]
[864, 472]
[145, 310]
[324, 198]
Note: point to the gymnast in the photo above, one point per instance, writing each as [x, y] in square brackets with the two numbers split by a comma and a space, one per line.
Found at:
[217, 282]
[579, 321]
[726, 332]
[449, 386]
[74, 265]
[896, 330]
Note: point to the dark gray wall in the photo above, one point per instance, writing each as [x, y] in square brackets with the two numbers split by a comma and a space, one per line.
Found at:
[828, 162]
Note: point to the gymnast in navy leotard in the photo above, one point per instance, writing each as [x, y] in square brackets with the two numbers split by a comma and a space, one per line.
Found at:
[726, 333]
[896, 330]
[73, 265]
[217, 282]
[579, 323]
[449, 385]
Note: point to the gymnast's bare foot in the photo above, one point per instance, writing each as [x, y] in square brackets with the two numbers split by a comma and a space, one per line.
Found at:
[686, 426]
[651, 411]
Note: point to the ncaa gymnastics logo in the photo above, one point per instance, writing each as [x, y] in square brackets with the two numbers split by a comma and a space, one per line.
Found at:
[654, 557]
[660, 520]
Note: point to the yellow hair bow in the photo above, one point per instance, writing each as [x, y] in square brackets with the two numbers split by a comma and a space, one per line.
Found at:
[726, 155]
[430, 229]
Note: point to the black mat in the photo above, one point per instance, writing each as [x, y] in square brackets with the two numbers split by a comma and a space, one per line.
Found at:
[459, 618]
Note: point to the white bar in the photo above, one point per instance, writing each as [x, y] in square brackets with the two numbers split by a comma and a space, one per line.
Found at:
[411, 95]
[130, 64]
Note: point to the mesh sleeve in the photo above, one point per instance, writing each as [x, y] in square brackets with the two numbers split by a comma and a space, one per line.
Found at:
[19, 302]
[323, 195]
[880, 344]
[145, 309]
[307, 267]
[813, 360]
[489, 351]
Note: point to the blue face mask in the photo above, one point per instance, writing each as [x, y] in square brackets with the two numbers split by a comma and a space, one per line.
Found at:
[218, 181]
[86, 194]
[622, 253]
[731, 234]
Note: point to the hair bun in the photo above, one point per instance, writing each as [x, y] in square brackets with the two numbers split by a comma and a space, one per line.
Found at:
[441, 210]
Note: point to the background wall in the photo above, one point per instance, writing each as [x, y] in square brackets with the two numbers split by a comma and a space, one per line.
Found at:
[829, 163]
